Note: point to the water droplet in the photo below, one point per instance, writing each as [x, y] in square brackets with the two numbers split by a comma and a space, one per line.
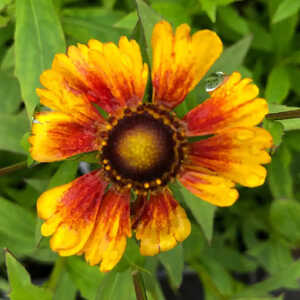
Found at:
[214, 81]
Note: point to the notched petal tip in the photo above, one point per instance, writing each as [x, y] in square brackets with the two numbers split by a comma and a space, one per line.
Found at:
[161, 224]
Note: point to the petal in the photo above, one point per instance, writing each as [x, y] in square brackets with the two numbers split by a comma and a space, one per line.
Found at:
[180, 60]
[56, 136]
[107, 242]
[236, 154]
[233, 104]
[209, 187]
[105, 74]
[162, 224]
[70, 212]
[60, 96]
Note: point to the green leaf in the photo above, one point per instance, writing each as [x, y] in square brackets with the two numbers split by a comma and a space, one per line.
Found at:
[194, 244]
[12, 129]
[131, 258]
[280, 178]
[172, 11]
[272, 255]
[65, 288]
[116, 286]
[289, 124]
[86, 278]
[278, 85]
[21, 286]
[262, 39]
[10, 97]
[128, 21]
[93, 15]
[65, 173]
[286, 9]
[173, 262]
[16, 227]
[276, 129]
[279, 280]
[37, 22]
[210, 7]
[201, 210]
[82, 30]
[148, 18]
[282, 35]
[284, 217]
[239, 50]
[231, 18]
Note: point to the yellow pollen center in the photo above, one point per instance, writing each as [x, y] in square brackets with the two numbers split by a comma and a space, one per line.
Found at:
[139, 148]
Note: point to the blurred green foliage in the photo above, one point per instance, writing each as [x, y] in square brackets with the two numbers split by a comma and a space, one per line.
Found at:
[227, 246]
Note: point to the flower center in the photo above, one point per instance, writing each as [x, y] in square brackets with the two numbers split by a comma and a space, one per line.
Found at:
[144, 148]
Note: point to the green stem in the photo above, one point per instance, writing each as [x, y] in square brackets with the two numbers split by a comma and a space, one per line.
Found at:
[139, 286]
[56, 273]
[291, 114]
[13, 168]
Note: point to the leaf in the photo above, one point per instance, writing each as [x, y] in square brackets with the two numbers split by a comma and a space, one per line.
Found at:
[116, 286]
[148, 18]
[279, 280]
[289, 124]
[128, 22]
[201, 210]
[280, 178]
[151, 282]
[210, 7]
[86, 278]
[278, 85]
[65, 173]
[282, 35]
[16, 227]
[93, 15]
[238, 51]
[172, 11]
[284, 217]
[231, 18]
[81, 30]
[12, 129]
[286, 9]
[272, 255]
[10, 97]
[65, 288]
[276, 129]
[37, 22]
[21, 286]
[173, 262]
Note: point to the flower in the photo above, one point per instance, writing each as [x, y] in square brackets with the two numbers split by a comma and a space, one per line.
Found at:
[142, 146]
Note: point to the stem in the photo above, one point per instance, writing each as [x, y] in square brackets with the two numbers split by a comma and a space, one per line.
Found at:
[291, 114]
[56, 273]
[139, 286]
[13, 168]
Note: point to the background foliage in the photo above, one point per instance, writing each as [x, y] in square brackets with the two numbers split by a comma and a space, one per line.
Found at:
[242, 252]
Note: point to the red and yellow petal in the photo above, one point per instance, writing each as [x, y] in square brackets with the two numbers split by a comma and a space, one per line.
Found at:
[105, 74]
[180, 60]
[209, 187]
[56, 136]
[70, 212]
[233, 104]
[107, 242]
[162, 224]
[235, 153]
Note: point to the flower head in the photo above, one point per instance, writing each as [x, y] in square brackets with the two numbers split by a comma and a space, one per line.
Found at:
[143, 146]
